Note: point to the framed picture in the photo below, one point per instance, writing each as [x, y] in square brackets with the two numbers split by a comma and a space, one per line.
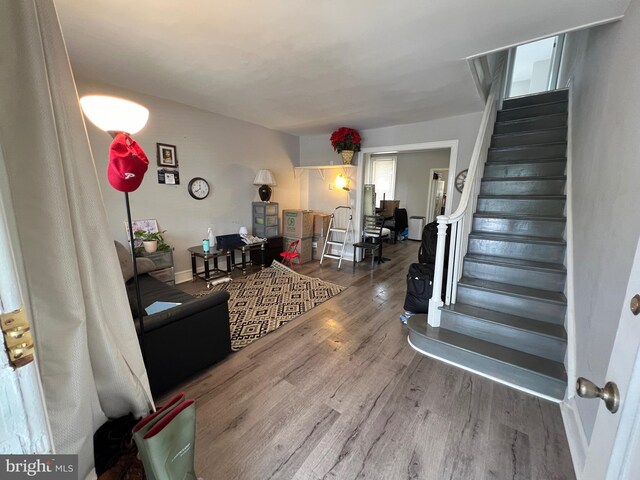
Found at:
[167, 155]
[168, 176]
[148, 225]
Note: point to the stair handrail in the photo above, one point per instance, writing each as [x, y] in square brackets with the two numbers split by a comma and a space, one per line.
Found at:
[460, 218]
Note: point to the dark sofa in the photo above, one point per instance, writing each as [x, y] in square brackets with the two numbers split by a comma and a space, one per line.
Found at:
[180, 341]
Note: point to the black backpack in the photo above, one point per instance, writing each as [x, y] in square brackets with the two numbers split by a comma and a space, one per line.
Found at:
[427, 253]
[419, 288]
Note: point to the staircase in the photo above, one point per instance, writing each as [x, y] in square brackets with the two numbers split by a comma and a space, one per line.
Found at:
[508, 319]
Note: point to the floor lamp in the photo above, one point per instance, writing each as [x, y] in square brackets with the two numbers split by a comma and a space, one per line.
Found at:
[127, 162]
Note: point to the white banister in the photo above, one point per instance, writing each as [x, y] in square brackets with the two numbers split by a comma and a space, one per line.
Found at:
[461, 219]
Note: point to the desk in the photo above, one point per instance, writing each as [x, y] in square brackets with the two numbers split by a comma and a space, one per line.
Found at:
[198, 252]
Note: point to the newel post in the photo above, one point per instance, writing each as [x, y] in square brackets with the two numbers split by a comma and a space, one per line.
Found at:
[435, 303]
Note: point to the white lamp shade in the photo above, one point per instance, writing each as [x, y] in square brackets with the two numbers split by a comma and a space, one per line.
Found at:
[113, 114]
[264, 177]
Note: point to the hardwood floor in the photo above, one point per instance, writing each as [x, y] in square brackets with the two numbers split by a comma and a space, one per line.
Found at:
[339, 394]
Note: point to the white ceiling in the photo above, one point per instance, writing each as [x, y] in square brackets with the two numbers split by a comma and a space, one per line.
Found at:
[307, 66]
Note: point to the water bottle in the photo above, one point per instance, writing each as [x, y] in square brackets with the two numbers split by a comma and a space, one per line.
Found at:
[212, 238]
[205, 245]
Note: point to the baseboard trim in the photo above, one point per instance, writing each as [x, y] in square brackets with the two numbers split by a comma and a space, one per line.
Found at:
[183, 276]
[576, 436]
[482, 374]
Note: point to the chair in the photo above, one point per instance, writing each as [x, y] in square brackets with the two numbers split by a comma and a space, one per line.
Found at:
[373, 232]
[399, 223]
[290, 253]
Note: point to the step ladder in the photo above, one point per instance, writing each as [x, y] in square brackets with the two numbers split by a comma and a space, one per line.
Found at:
[332, 241]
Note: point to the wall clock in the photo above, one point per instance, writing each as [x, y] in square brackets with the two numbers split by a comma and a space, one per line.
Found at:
[198, 188]
[460, 178]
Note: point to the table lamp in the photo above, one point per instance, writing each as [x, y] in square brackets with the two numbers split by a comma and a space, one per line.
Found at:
[127, 161]
[265, 179]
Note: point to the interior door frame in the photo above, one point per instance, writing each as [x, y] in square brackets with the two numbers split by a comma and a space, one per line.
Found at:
[366, 152]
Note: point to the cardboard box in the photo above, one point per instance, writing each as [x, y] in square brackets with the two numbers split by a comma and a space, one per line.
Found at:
[321, 224]
[304, 248]
[317, 244]
[297, 223]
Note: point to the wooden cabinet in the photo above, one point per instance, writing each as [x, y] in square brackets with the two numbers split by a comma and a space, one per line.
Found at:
[265, 219]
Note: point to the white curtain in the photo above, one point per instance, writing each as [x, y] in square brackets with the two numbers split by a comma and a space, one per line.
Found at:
[90, 362]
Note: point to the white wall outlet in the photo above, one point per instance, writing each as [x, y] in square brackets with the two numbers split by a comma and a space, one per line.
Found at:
[331, 186]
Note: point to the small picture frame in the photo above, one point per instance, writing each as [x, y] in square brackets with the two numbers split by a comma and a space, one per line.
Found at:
[168, 176]
[167, 155]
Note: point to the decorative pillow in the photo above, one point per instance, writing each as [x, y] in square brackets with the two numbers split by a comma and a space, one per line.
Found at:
[144, 265]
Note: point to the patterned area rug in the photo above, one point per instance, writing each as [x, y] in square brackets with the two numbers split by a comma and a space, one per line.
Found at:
[269, 299]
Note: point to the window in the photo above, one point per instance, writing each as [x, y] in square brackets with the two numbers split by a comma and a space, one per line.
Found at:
[383, 176]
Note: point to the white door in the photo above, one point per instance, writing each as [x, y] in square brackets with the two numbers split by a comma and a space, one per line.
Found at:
[615, 442]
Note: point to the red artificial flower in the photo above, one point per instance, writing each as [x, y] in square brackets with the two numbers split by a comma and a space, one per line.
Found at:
[345, 138]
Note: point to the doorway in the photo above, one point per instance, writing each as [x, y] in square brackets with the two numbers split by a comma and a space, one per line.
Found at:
[364, 165]
[534, 67]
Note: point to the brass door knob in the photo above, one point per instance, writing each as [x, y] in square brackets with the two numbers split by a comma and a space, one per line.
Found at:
[609, 394]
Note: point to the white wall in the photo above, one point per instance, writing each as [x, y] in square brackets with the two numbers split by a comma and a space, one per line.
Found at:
[316, 150]
[413, 178]
[322, 196]
[224, 151]
[606, 168]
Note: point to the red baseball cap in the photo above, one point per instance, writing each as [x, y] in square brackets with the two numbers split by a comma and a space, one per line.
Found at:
[127, 163]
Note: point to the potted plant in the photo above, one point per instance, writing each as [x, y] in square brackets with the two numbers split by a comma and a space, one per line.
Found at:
[152, 242]
[346, 141]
